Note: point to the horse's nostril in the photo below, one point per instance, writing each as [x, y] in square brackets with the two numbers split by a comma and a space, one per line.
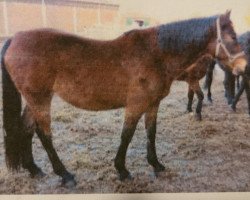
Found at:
[236, 71]
[239, 70]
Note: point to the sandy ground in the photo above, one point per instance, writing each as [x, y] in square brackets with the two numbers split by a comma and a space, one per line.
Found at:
[208, 156]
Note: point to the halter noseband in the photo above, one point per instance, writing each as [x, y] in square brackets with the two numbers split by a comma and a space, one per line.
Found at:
[220, 43]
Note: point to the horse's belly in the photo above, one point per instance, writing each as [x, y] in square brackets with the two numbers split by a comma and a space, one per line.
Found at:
[93, 92]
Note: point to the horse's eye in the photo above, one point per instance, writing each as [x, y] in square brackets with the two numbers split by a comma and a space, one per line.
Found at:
[234, 37]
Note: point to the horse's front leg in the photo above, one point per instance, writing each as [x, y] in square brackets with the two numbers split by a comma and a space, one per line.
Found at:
[209, 80]
[129, 126]
[229, 85]
[150, 124]
[238, 82]
[247, 88]
[40, 108]
[200, 97]
[238, 95]
[190, 99]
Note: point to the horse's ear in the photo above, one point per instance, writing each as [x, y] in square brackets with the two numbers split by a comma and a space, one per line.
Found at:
[227, 14]
[225, 18]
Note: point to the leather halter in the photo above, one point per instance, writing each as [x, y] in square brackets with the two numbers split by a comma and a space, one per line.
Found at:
[221, 44]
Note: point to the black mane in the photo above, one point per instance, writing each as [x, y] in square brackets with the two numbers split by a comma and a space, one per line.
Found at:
[176, 37]
[244, 41]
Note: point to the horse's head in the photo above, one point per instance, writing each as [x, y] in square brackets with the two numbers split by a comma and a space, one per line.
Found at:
[225, 46]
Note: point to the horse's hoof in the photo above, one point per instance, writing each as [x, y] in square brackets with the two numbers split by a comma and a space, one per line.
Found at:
[38, 174]
[159, 169]
[233, 107]
[230, 102]
[125, 175]
[68, 181]
[210, 100]
[189, 110]
[198, 117]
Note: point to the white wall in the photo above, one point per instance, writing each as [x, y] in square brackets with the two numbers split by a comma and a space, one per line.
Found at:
[172, 10]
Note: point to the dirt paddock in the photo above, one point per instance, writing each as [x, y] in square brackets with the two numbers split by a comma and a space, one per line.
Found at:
[208, 156]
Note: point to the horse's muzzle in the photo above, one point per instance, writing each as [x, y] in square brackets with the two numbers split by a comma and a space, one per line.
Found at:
[239, 66]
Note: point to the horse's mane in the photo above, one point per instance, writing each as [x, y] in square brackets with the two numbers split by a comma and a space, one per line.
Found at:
[244, 40]
[177, 36]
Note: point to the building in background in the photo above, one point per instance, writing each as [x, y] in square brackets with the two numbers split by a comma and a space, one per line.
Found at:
[92, 18]
[135, 20]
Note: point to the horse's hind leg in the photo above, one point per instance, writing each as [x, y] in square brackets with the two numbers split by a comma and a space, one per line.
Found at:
[209, 80]
[58, 167]
[28, 130]
[40, 105]
[200, 96]
[150, 123]
[190, 99]
[196, 87]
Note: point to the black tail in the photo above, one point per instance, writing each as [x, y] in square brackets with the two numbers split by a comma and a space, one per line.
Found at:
[11, 116]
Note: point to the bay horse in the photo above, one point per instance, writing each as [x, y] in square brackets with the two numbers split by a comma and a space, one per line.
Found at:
[230, 80]
[244, 86]
[192, 75]
[244, 40]
[134, 71]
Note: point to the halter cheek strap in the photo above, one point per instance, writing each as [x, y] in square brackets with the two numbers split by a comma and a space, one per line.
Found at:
[220, 44]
